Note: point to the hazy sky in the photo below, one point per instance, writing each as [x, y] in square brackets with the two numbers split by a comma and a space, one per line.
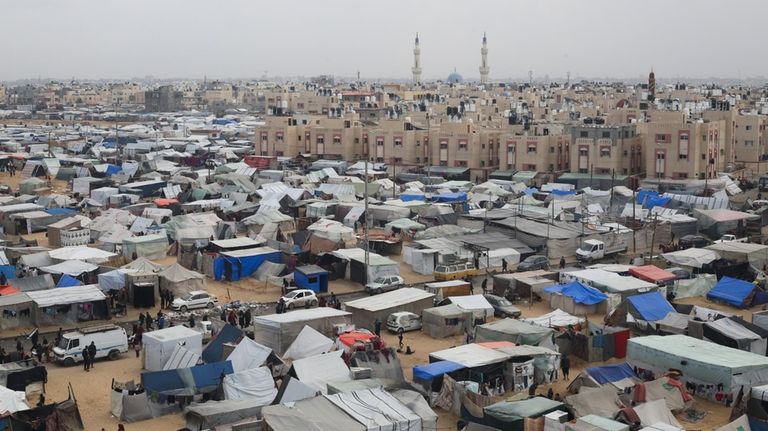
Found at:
[245, 38]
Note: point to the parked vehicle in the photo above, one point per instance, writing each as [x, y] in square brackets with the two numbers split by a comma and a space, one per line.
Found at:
[384, 284]
[206, 328]
[110, 341]
[404, 319]
[194, 299]
[453, 271]
[444, 289]
[730, 238]
[680, 273]
[300, 298]
[532, 263]
[691, 241]
[502, 307]
[593, 249]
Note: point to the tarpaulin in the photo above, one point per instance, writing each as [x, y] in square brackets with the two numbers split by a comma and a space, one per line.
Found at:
[732, 291]
[68, 281]
[428, 372]
[186, 381]
[215, 349]
[611, 373]
[651, 306]
[580, 293]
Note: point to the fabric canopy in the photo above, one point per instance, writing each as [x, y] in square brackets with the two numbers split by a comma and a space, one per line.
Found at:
[88, 254]
[580, 293]
[70, 295]
[732, 291]
[652, 273]
[611, 373]
[555, 319]
[651, 306]
[255, 384]
[693, 257]
[428, 372]
[309, 342]
[70, 267]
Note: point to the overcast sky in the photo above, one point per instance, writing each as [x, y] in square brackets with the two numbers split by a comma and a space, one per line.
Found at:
[245, 38]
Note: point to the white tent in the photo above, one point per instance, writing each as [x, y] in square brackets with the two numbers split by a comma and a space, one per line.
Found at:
[12, 401]
[248, 355]
[309, 342]
[70, 267]
[555, 319]
[87, 254]
[66, 295]
[254, 384]
[477, 304]
[317, 371]
[159, 345]
[181, 358]
[692, 257]
[377, 409]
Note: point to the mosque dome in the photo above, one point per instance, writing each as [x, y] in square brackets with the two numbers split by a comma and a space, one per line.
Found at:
[454, 78]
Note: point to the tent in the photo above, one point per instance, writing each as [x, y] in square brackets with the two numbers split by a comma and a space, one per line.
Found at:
[16, 311]
[470, 356]
[366, 310]
[181, 357]
[73, 304]
[735, 333]
[576, 298]
[311, 414]
[555, 319]
[212, 414]
[652, 273]
[278, 331]
[446, 321]
[732, 291]
[722, 367]
[426, 374]
[248, 355]
[755, 254]
[378, 266]
[650, 306]
[87, 254]
[70, 267]
[316, 371]
[691, 257]
[129, 404]
[697, 286]
[617, 376]
[377, 409]
[237, 264]
[515, 331]
[142, 264]
[180, 280]
[308, 343]
[227, 334]
[417, 404]
[68, 281]
[511, 415]
[147, 246]
[160, 345]
[255, 384]
[477, 304]
[602, 401]
[113, 280]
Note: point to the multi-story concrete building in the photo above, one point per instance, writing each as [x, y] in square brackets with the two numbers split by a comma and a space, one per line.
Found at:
[162, 99]
[683, 150]
[605, 150]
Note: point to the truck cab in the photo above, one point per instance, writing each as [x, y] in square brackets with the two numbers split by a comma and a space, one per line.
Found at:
[591, 249]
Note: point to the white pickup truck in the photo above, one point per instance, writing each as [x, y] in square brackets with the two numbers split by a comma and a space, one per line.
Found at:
[730, 238]
[593, 249]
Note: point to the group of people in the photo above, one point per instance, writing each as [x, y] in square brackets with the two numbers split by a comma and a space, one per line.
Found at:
[89, 356]
[241, 318]
[166, 298]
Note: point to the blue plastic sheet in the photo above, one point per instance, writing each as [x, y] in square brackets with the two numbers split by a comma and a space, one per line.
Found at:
[732, 291]
[428, 372]
[580, 293]
[611, 373]
[651, 306]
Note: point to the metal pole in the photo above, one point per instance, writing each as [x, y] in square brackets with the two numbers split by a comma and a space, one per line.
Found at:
[634, 220]
[365, 215]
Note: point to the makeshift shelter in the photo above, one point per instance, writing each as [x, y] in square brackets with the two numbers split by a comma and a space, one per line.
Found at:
[377, 409]
[718, 375]
[180, 281]
[311, 277]
[83, 253]
[129, 403]
[255, 384]
[75, 268]
[147, 246]
[308, 343]
[377, 265]
[576, 298]
[69, 305]
[446, 321]
[602, 401]
[617, 376]
[513, 416]
[158, 346]
[112, 280]
[327, 235]
[755, 254]
[311, 414]
[555, 319]
[734, 292]
[213, 414]
[477, 304]
[717, 222]
[16, 311]
[29, 185]
[69, 281]
[278, 331]
[417, 404]
[181, 357]
[652, 274]
[430, 376]
[365, 311]
[515, 331]
[317, 371]
[142, 264]
[694, 287]
[470, 356]
[691, 257]
[733, 332]
[649, 307]
[238, 264]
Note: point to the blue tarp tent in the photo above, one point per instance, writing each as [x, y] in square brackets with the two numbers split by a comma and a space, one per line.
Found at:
[411, 196]
[650, 306]
[450, 197]
[611, 373]
[215, 348]
[580, 293]
[9, 271]
[237, 264]
[563, 192]
[428, 372]
[112, 170]
[68, 281]
[112, 280]
[733, 291]
[186, 381]
[651, 199]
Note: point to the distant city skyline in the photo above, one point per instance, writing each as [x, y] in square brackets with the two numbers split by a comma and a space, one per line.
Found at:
[238, 39]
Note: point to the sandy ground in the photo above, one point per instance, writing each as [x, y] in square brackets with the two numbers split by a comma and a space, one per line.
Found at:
[92, 389]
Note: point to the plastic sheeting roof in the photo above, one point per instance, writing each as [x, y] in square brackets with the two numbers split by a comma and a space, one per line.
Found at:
[470, 355]
[693, 257]
[651, 306]
[88, 254]
[376, 409]
[391, 299]
[316, 371]
[652, 273]
[732, 291]
[428, 372]
[309, 342]
[70, 295]
[70, 267]
[580, 293]
[555, 319]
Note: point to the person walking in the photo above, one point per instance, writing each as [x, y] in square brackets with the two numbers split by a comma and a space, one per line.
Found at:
[400, 333]
[91, 354]
[141, 319]
[377, 327]
[562, 262]
[565, 365]
[484, 286]
[148, 319]
[191, 320]
[503, 265]
[136, 345]
[85, 358]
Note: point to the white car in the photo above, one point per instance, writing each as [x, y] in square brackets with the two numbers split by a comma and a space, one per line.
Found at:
[404, 320]
[194, 299]
[300, 298]
[384, 284]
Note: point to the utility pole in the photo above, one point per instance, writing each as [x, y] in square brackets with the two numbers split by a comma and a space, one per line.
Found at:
[365, 215]
[634, 220]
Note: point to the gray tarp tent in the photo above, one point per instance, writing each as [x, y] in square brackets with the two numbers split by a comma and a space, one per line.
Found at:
[180, 280]
[16, 311]
[311, 414]
[446, 321]
[148, 246]
[214, 413]
[277, 331]
[366, 310]
[129, 405]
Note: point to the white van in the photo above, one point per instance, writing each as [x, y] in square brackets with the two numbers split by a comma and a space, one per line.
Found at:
[110, 341]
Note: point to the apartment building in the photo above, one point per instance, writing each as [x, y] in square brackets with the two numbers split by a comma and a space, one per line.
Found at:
[683, 150]
[605, 149]
[540, 153]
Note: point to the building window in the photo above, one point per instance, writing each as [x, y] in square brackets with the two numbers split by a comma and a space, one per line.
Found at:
[749, 127]
[443, 163]
[418, 142]
[662, 138]
[605, 151]
[379, 142]
[463, 145]
[683, 151]
[398, 142]
[279, 138]
[584, 134]
[336, 139]
[264, 138]
[398, 160]
[443, 145]
[320, 139]
[703, 157]
[418, 159]
[460, 163]
[299, 106]
[551, 149]
[606, 135]
[379, 159]
[530, 167]
[749, 143]
[681, 175]
[279, 153]
[531, 148]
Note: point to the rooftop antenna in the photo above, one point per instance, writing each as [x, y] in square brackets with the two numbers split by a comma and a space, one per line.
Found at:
[530, 78]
